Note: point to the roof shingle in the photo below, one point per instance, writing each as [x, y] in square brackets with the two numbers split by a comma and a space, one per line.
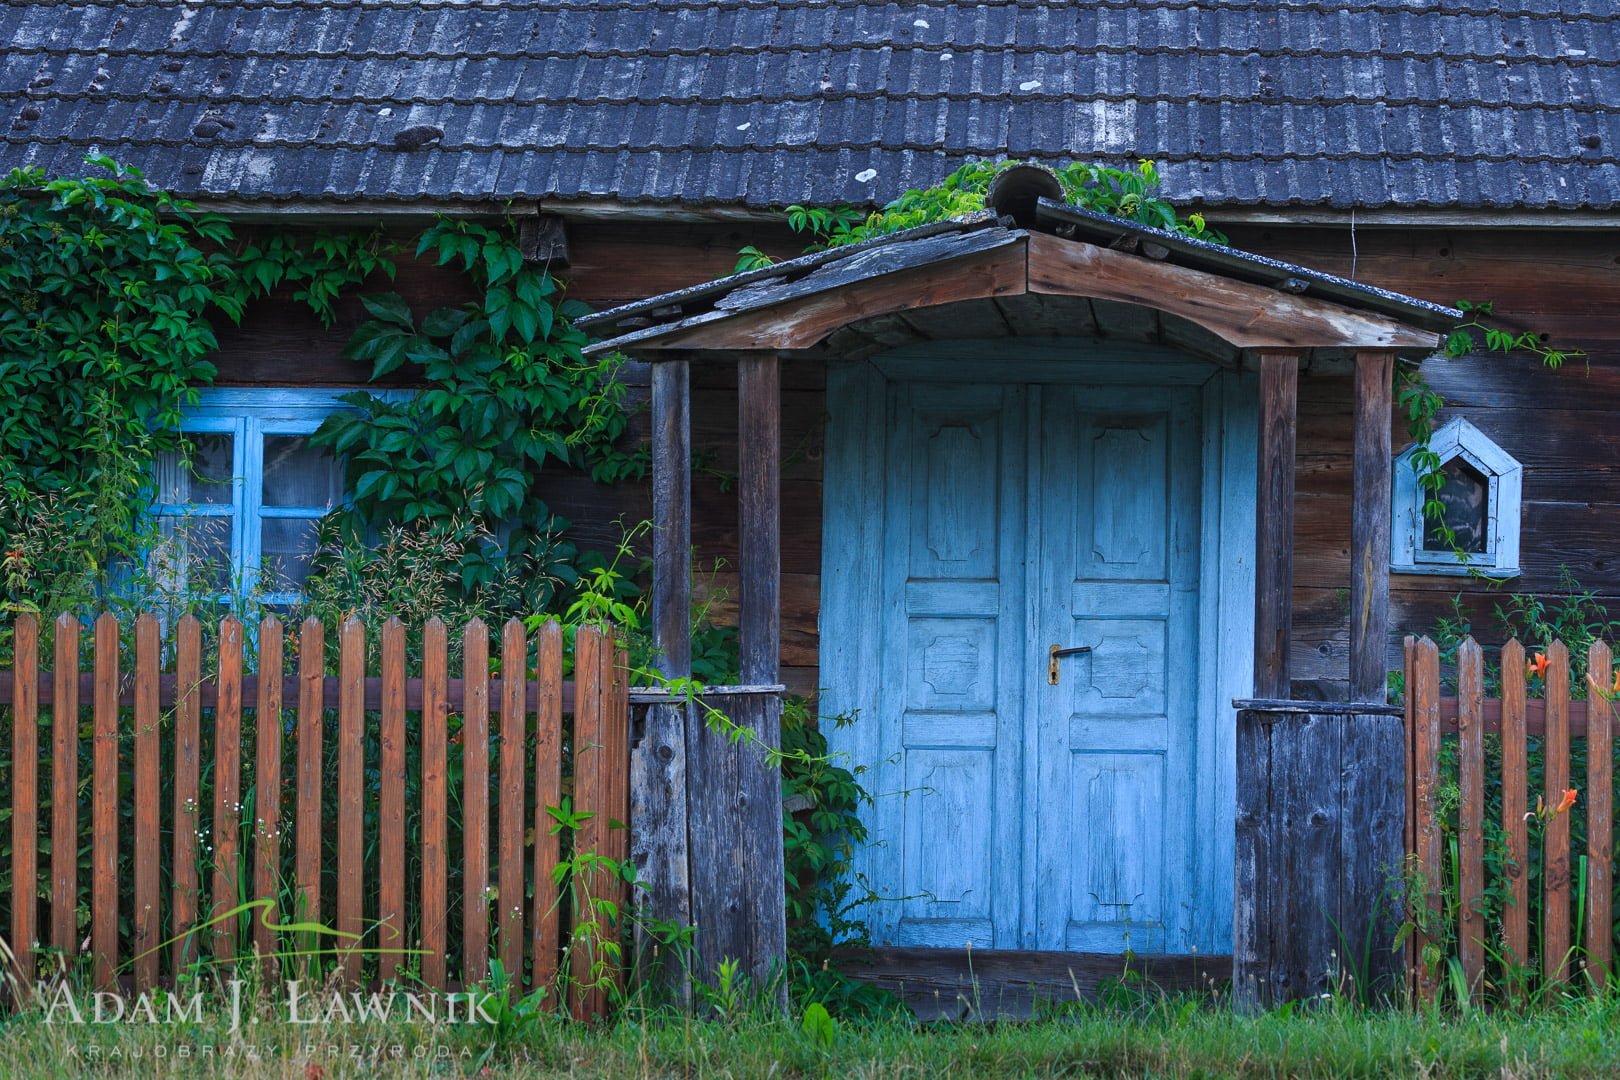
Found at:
[1364, 103]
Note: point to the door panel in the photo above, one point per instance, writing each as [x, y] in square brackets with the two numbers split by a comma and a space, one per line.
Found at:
[1117, 517]
[955, 582]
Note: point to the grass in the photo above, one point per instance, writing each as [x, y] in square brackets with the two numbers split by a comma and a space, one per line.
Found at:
[1154, 1038]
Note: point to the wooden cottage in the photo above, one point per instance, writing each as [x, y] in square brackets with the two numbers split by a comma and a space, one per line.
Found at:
[1033, 496]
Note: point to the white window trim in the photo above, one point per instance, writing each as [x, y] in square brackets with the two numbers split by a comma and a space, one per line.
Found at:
[247, 415]
[1457, 438]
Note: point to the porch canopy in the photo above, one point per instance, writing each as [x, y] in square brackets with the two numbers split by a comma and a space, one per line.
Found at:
[1030, 266]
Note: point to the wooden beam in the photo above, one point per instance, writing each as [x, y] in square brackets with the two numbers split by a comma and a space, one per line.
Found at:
[659, 847]
[672, 516]
[804, 321]
[1248, 316]
[757, 807]
[759, 514]
[1370, 526]
[1274, 525]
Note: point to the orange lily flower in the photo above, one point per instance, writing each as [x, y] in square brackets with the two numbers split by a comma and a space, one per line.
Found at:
[1537, 666]
[1566, 802]
[1615, 689]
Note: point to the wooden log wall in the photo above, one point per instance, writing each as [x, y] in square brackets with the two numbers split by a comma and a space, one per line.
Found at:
[1561, 282]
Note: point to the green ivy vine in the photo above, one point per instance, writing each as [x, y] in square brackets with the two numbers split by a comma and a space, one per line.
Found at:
[1132, 194]
[1421, 404]
[109, 292]
[508, 394]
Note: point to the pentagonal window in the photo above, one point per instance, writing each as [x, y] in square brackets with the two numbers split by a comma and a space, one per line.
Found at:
[1472, 520]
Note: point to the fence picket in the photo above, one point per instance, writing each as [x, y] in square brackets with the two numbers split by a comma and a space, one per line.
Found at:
[391, 806]
[1471, 810]
[546, 920]
[583, 998]
[1425, 691]
[351, 810]
[187, 789]
[168, 886]
[514, 665]
[104, 806]
[1515, 805]
[475, 802]
[65, 791]
[267, 791]
[148, 914]
[1555, 835]
[25, 795]
[1599, 815]
[435, 916]
[227, 786]
[307, 823]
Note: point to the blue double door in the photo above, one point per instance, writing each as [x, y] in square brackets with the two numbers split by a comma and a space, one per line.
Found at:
[1031, 795]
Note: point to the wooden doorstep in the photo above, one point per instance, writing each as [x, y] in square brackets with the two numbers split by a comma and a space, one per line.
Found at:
[943, 982]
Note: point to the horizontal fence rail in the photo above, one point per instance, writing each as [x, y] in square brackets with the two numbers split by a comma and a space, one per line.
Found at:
[195, 804]
[1510, 835]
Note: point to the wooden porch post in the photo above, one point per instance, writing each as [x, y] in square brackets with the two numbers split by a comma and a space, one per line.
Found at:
[659, 844]
[672, 515]
[735, 794]
[1369, 527]
[759, 512]
[1274, 526]
[1372, 772]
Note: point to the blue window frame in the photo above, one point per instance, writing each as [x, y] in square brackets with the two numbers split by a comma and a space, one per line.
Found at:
[244, 508]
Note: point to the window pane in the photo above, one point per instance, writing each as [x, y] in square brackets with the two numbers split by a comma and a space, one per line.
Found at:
[1465, 494]
[208, 479]
[298, 474]
[288, 547]
[193, 554]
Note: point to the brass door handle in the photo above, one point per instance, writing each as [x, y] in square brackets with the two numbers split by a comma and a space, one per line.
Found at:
[1056, 653]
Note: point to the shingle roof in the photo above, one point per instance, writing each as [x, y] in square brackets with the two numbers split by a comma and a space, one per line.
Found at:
[1367, 103]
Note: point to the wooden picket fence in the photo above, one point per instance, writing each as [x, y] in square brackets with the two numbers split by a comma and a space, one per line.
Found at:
[1556, 721]
[353, 837]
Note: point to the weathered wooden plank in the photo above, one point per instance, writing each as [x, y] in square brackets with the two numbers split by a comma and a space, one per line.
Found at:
[351, 811]
[227, 786]
[514, 661]
[1274, 525]
[1471, 811]
[187, 791]
[1515, 806]
[25, 797]
[586, 964]
[801, 323]
[546, 920]
[1600, 816]
[1555, 931]
[475, 945]
[658, 763]
[1248, 316]
[391, 802]
[435, 902]
[1370, 527]
[65, 791]
[1409, 775]
[104, 806]
[759, 422]
[1424, 690]
[1253, 918]
[616, 750]
[986, 978]
[307, 833]
[672, 516]
[147, 922]
[267, 793]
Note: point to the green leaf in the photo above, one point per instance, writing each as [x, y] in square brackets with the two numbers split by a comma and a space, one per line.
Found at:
[389, 308]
